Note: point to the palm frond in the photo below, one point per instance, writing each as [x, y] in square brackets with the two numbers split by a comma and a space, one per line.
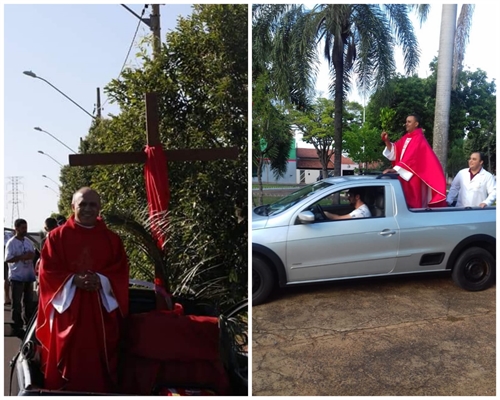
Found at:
[422, 11]
[405, 35]
[135, 224]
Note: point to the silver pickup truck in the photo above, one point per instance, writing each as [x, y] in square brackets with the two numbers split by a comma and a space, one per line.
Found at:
[293, 241]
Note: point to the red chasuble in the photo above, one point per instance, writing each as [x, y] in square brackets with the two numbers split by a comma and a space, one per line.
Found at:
[414, 154]
[80, 351]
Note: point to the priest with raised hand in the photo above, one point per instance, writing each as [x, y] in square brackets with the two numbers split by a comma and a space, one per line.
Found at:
[83, 299]
[420, 172]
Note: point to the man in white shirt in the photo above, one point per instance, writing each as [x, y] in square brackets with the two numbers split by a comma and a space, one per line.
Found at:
[473, 186]
[6, 284]
[19, 254]
[361, 210]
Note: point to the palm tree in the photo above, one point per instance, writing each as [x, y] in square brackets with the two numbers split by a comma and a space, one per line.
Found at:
[355, 39]
[453, 37]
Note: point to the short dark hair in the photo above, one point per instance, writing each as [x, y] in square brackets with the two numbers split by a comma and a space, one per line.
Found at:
[417, 118]
[18, 222]
[61, 219]
[357, 190]
[481, 155]
[50, 223]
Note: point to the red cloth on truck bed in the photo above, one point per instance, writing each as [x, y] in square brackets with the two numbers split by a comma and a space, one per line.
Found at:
[165, 347]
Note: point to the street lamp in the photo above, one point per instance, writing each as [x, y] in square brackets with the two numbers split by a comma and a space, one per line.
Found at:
[37, 128]
[48, 187]
[48, 155]
[45, 176]
[33, 75]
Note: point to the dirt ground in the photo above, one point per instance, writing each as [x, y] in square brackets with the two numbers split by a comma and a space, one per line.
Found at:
[402, 336]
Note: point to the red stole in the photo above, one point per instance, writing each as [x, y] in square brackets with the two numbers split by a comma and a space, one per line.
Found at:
[81, 352]
[416, 155]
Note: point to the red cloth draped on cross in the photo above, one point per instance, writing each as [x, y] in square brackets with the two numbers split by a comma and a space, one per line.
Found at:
[158, 195]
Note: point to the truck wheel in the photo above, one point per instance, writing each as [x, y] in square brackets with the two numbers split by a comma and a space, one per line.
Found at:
[474, 269]
[262, 281]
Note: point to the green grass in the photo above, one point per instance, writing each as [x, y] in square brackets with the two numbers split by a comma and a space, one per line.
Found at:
[273, 185]
[270, 198]
[267, 199]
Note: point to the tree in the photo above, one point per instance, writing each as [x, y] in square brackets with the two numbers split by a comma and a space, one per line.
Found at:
[471, 117]
[355, 38]
[362, 143]
[402, 95]
[272, 48]
[477, 99]
[316, 125]
[272, 137]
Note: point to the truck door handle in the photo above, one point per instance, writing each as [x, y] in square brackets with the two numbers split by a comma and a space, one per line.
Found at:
[387, 232]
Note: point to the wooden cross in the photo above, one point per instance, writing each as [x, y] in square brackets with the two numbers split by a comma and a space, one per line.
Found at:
[153, 139]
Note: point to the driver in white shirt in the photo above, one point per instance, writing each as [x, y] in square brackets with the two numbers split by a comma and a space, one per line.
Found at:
[361, 210]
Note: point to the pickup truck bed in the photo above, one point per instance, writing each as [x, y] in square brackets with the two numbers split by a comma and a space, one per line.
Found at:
[27, 379]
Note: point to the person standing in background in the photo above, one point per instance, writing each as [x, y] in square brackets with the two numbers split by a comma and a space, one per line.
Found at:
[6, 284]
[473, 186]
[19, 254]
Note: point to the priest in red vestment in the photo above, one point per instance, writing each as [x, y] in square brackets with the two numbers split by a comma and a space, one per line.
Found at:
[83, 298]
[420, 172]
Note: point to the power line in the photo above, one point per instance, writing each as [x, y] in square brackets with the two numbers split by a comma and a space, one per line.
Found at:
[130, 47]
[133, 39]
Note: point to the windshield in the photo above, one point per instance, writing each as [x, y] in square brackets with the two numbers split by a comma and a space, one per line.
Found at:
[293, 198]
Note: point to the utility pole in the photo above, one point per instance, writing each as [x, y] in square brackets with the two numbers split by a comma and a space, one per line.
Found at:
[98, 103]
[155, 28]
[153, 22]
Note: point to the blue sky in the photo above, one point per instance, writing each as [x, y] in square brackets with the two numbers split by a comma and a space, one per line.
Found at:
[77, 48]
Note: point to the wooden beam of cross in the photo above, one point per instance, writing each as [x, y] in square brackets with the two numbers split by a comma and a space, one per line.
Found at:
[153, 138]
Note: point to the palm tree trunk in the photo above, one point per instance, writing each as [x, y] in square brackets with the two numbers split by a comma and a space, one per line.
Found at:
[444, 77]
[338, 65]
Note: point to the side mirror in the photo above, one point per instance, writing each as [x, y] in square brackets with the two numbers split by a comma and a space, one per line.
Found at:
[306, 217]
[10, 331]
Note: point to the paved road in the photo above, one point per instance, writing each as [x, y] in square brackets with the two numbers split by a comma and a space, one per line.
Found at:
[379, 337]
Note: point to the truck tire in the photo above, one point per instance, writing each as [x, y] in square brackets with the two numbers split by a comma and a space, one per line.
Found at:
[262, 281]
[474, 269]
